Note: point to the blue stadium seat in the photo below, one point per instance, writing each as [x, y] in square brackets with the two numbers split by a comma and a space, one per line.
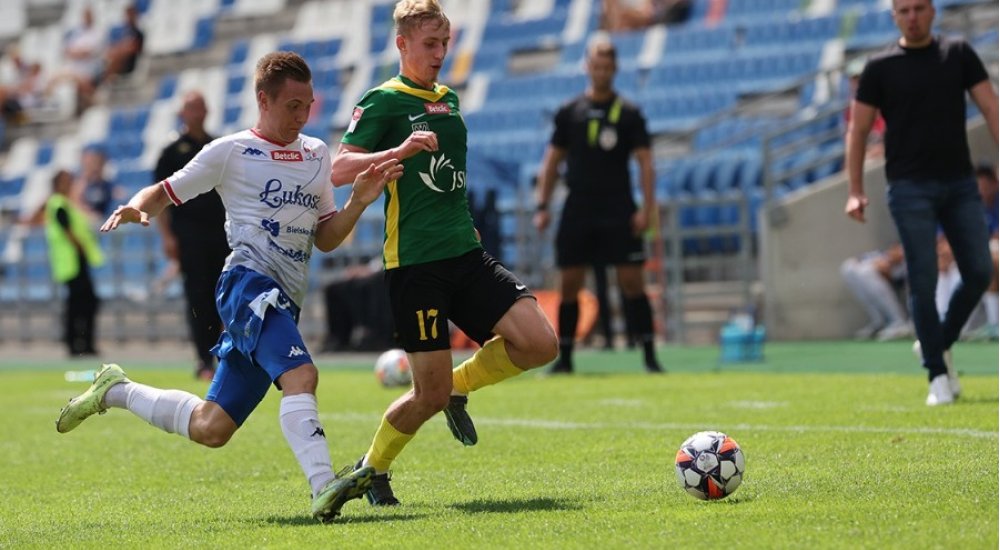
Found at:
[238, 53]
[44, 155]
[204, 33]
[11, 187]
[235, 84]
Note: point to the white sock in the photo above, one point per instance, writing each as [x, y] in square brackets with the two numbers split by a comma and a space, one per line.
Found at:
[169, 410]
[991, 306]
[300, 424]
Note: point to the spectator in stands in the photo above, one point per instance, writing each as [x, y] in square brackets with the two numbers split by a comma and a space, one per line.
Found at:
[436, 269]
[84, 49]
[275, 184]
[605, 314]
[629, 15]
[596, 133]
[949, 277]
[92, 188]
[73, 250]
[123, 54]
[873, 279]
[986, 178]
[487, 220]
[21, 86]
[194, 235]
[358, 315]
[919, 85]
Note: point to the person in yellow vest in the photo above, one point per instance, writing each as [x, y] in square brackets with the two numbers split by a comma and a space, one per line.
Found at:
[73, 250]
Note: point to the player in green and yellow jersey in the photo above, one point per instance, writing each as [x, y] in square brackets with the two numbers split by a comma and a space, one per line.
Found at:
[436, 269]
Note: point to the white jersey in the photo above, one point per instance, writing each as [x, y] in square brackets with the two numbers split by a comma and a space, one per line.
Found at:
[274, 196]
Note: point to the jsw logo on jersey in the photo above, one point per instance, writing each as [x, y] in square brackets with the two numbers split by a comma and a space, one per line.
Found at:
[286, 156]
[274, 196]
[435, 176]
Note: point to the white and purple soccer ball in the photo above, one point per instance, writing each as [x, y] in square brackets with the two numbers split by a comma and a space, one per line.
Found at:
[710, 465]
[392, 369]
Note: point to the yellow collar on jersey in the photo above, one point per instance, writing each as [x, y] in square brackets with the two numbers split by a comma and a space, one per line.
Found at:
[400, 85]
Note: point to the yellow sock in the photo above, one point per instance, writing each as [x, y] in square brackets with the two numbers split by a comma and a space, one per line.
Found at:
[387, 444]
[489, 365]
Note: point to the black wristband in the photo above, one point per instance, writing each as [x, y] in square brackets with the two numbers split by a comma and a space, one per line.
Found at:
[541, 207]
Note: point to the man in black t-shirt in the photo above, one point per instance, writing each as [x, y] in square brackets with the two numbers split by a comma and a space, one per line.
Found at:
[194, 235]
[596, 133]
[123, 54]
[919, 85]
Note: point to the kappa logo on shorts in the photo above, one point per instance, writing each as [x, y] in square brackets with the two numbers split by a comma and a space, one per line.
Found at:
[295, 351]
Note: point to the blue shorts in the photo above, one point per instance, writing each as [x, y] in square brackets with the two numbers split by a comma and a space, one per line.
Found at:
[261, 341]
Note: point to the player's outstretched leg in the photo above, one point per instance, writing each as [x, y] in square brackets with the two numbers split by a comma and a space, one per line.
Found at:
[348, 485]
[379, 493]
[488, 366]
[459, 421]
[91, 401]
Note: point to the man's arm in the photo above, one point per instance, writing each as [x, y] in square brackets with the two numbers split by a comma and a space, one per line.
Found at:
[352, 160]
[862, 119]
[644, 156]
[986, 99]
[547, 175]
[368, 185]
[147, 203]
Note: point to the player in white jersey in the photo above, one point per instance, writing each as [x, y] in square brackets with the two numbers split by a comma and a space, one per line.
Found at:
[275, 185]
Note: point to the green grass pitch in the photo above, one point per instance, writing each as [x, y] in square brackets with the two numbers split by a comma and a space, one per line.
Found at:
[841, 453]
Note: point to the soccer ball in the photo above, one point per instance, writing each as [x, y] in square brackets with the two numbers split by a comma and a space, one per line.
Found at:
[392, 368]
[710, 465]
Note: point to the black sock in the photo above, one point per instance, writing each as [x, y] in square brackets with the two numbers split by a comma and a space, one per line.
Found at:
[569, 314]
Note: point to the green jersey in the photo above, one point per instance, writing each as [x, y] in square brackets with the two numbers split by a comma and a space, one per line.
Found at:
[426, 210]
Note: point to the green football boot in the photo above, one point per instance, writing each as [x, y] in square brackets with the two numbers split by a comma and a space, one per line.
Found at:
[90, 401]
[346, 486]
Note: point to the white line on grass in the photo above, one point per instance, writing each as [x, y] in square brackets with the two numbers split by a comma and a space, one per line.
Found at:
[564, 425]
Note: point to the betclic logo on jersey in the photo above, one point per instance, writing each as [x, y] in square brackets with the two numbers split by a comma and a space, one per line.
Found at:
[438, 108]
[286, 156]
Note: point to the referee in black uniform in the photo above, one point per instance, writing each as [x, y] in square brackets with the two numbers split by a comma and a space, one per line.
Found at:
[194, 235]
[596, 133]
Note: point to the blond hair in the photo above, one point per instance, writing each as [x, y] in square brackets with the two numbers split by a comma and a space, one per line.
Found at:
[412, 14]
